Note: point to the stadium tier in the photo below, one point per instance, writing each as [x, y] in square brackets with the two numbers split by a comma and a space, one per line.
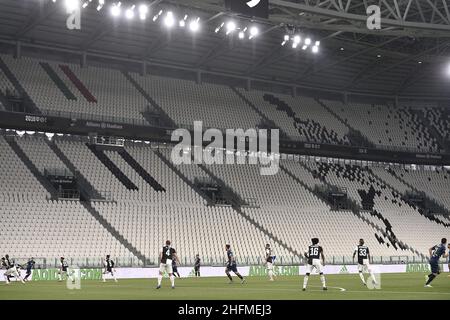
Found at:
[121, 96]
[134, 198]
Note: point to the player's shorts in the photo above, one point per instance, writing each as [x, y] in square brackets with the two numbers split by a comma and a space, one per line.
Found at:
[167, 267]
[316, 264]
[12, 272]
[269, 265]
[197, 268]
[232, 267]
[364, 266]
[434, 264]
[108, 270]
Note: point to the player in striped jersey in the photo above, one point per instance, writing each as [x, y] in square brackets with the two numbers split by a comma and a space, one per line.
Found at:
[270, 258]
[363, 261]
[316, 259]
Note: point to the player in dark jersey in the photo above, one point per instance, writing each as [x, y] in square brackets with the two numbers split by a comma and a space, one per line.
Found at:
[363, 261]
[64, 270]
[231, 265]
[314, 255]
[30, 266]
[269, 260]
[436, 252]
[166, 257]
[109, 268]
[197, 265]
[175, 269]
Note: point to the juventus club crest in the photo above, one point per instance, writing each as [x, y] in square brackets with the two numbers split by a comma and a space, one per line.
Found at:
[73, 21]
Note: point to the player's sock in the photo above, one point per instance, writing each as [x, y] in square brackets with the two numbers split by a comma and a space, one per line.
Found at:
[362, 277]
[271, 275]
[240, 277]
[305, 281]
[159, 280]
[322, 279]
[374, 280]
[172, 280]
[430, 278]
[229, 277]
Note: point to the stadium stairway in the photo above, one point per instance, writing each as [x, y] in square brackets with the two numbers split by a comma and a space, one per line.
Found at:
[116, 234]
[30, 165]
[112, 167]
[28, 102]
[355, 136]
[166, 120]
[182, 176]
[58, 81]
[141, 171]
[78, 83]
[237, 202]
[87, 191]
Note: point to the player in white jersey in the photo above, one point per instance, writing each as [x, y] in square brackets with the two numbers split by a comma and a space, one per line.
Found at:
[166, 256]
[11, 270]
[109, 268]
[270, 258]
[363, 261]
[64, 271]
[316, 260]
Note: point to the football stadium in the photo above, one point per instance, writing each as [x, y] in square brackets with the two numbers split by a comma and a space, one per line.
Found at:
[224, 150]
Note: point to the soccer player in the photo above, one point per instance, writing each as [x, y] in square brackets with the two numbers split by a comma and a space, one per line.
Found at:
[166, 257]
[63, 270]
[448, 256]
[363, 261]
[11, 270]
[175, 269]
[436, 252]
[314, 256]
[269, 262]
[231, 265]
[109, 268]
[197, 265]
[30, 266]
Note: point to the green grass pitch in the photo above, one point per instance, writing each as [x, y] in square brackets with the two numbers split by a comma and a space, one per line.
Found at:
[393, 286]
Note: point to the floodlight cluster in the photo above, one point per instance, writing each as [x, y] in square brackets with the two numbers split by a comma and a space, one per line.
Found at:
[298, 41]
[170, 20]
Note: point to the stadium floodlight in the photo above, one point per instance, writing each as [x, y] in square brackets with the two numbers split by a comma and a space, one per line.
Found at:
[158, 15]
[297, 39]
[101, 3]
[169, 20]
[448, 70]
[86, 3]
[72, 5]
[129, 13]
[231, 27]
[116, 10]
[317, 44]
[286, 37]
[254, 31]
[182, 23]
[194, 25]
[315, 49]
[304, 47]
[294, 45]
[143, 11]
[308, 41]
[241, 35]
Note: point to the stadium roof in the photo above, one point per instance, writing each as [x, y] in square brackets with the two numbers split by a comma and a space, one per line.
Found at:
[408, 57]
